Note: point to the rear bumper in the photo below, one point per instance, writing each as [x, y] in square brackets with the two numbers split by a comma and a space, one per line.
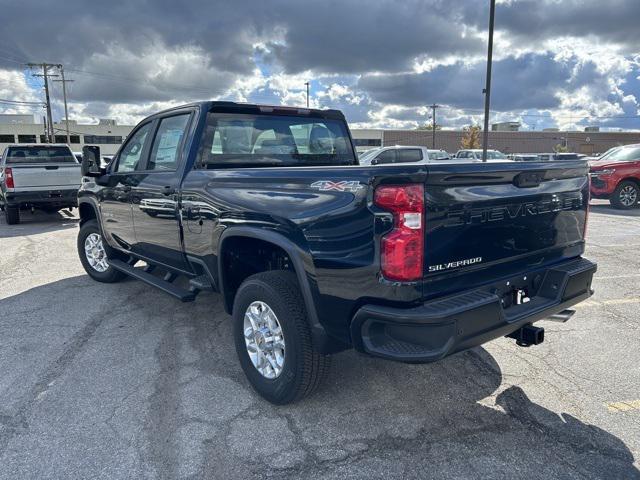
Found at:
[441, 327]
[64, 197]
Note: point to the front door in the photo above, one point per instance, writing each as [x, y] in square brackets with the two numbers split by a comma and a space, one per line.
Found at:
[115, 206]
[155, 198]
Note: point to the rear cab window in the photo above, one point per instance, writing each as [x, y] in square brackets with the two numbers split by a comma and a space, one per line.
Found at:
[259, 140]
[42, 155]
[409, 155]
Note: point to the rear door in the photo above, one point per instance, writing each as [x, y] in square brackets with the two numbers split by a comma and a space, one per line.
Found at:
[502, 217]
[154, 198]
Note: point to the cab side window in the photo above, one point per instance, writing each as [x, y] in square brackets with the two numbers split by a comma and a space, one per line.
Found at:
[166, 144]
[130, 154]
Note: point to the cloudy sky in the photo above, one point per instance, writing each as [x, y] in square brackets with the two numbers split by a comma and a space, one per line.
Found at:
[565, 63]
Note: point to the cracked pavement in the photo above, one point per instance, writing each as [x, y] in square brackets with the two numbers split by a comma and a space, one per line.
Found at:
[123, 381]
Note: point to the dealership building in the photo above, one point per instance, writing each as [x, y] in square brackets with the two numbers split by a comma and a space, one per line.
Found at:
[503, 136]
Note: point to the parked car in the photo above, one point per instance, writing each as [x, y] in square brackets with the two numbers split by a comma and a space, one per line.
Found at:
[45, 176]
[401, 154]
[476, 155]
[616, 177]
[404, 262]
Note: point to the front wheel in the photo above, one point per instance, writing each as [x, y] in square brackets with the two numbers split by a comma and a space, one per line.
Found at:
[273, 340]
[93, 254]
[626, 195]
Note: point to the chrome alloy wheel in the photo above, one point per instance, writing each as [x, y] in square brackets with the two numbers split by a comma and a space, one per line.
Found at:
[264, 339]
[95, 253]
[628, 195]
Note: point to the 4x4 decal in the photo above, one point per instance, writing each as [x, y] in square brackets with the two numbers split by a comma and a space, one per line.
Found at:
[342, 186]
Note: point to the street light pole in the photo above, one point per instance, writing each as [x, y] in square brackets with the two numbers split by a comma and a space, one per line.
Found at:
[307, 84]
[487, 89]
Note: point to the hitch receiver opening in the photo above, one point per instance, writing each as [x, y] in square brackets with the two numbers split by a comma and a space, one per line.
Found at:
[528, 335]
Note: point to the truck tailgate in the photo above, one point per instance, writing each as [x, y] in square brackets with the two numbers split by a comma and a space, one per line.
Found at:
[484, 220]
[49, 176]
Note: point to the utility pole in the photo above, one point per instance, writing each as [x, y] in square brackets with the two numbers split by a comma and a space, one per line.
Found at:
[433, 125]
[307, 84]
[45, 74]
[487, 90]
[64, 95]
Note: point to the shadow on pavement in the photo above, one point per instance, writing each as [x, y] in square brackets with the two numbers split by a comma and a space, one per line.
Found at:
[38, 222]
[458, 418]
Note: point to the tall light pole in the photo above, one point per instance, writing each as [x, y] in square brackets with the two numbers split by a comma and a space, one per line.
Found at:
[433, 125]
[487, 89]
[307, 85]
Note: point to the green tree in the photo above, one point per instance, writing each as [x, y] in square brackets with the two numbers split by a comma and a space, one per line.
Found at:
[561, 148]
[471, 137]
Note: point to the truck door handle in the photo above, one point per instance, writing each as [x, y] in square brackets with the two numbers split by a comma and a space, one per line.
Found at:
[168, 190]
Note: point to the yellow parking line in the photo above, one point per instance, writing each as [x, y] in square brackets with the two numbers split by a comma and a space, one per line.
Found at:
[623, 406]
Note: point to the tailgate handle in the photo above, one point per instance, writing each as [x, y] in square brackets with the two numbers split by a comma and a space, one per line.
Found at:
[51, 167]
[528, 179]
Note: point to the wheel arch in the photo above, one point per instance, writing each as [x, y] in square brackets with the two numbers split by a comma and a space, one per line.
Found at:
[300, 261]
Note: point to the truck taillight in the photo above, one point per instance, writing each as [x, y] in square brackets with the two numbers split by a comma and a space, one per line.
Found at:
[8, 178]
[402, 249]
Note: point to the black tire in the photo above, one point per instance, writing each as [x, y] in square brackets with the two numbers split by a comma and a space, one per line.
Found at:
[12, 215]
[110, 275]
[625, 196]
[304, 368]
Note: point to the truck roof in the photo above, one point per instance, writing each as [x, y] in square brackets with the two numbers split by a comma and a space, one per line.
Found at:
[256, 108]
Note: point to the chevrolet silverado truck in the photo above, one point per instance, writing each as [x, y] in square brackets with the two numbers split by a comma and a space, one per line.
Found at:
[616, 177]
[313, 254]
[44, 176]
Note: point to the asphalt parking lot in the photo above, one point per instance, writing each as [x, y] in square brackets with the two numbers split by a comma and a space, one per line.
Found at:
[122, 381]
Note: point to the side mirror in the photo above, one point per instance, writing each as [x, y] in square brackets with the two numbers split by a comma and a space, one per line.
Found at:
[90, 166]
[374, 161]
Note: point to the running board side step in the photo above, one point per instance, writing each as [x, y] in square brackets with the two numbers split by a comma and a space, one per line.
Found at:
[164, 285]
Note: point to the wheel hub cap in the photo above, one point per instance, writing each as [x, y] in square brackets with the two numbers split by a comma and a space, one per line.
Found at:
[264, 339]
[628, 195]
[95, 253]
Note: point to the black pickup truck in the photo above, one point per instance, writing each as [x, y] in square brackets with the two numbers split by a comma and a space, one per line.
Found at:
[314, 254]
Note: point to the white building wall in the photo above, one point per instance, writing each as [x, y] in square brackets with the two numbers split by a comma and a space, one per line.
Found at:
[77, 130]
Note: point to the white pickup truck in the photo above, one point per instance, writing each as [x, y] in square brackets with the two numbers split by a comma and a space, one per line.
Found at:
[45, 176]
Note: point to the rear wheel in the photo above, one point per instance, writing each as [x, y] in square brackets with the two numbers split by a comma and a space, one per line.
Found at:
[626, 195]
[273, 339]
[12, 215]
[93, 254]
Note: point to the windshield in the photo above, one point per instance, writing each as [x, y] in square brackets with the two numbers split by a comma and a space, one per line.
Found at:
[439, 155]
[625, 154]
[42, 154]
[275, 140]
[494, 155]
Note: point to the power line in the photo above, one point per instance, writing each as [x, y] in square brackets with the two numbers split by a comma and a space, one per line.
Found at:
[19, 102]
